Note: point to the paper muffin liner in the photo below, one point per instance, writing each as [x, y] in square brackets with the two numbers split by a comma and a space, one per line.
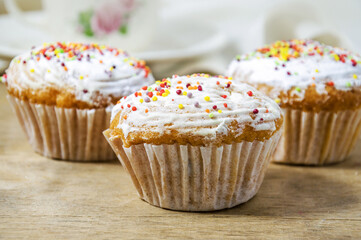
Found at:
[194, 178]
[65, 133]
[317, 138]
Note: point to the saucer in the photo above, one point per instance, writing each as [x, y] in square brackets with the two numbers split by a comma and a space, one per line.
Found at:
[177, 39]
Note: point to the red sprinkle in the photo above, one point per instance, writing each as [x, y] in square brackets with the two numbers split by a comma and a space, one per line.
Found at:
[145, 88]
[136, 94]
[354, 63]
[255, 111]
[224, 96]
[250, 93]
[261, 119]
[228, 85]
[225, 105]
[215, 107]
[200, 88]
[128, 105]
[150, 94]
[134, 108]
[288, 73]
[218, 83]
[188, 84]
[161, 91]
[179, 92]
[330, 83]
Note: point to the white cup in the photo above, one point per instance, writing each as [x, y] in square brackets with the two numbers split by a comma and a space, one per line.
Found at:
[127, 24]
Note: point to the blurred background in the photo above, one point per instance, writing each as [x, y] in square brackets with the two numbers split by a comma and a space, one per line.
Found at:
[177, 37]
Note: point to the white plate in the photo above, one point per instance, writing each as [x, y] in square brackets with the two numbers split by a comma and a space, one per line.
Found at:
[177, 39]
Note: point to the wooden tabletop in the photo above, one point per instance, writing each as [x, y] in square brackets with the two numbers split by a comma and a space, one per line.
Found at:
[42, 198]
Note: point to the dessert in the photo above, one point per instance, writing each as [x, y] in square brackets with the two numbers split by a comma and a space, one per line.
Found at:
[63, 93]
[318, 88]
[195, 143]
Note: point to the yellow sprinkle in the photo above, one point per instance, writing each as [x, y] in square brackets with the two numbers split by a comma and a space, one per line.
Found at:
[230, 78]
[354, 76]
[19, 61]
[184, 93]
[164, 94]
[316, 70]
[207, 98]
[206, 75]
[337, 58]
[81, 77]
[167, 91]
[111, 69]
[220, 111]
[32, 70]
[277, 100]
[180, 106]
[141, 100]
[48, 70]
[157, 82]
[154, 98]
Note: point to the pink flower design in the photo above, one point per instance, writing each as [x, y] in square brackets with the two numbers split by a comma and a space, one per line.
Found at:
[110, 16]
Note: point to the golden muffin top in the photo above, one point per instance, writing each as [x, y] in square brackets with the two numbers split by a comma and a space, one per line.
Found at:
[75, 75]
[198, 110]
[303, 74]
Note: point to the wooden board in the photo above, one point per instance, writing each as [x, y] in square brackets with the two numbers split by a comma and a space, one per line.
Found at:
[42, 198]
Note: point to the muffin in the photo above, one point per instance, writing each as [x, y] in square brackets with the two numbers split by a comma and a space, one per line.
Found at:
[63, 93]
[195, 143]
[318, 88]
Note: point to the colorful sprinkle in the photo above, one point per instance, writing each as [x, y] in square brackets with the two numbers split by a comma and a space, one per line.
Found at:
[207, 98]
[180, 106]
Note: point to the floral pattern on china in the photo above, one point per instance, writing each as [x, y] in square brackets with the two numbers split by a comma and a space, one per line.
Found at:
[108, 17]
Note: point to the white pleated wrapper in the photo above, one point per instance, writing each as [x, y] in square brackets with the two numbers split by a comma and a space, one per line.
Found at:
[317, 138]
[193, 178]
[65, 133]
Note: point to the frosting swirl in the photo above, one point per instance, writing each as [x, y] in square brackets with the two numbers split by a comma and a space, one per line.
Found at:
[94, 74]
[197, 109]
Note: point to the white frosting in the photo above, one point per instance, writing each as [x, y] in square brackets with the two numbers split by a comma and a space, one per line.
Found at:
[302, 71]
[103, 70]
[165, 114]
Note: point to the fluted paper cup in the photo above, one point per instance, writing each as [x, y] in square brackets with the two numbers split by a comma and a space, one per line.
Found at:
[194, 178]
[317, 138]
[64, 133]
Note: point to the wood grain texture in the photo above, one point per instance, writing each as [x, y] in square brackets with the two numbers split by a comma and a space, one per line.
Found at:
[48, 199]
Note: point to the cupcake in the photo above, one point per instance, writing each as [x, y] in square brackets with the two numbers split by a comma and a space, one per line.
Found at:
[318, 88]
[195, 143]
[63, 93]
